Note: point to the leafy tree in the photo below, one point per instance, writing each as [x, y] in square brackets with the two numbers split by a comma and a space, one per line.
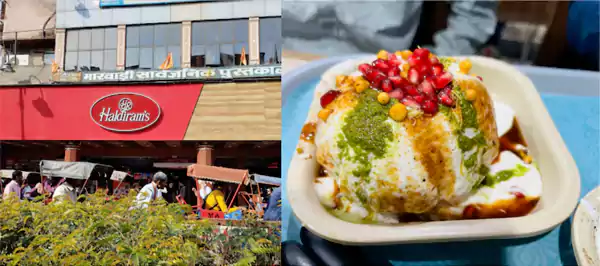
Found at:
[113, 232]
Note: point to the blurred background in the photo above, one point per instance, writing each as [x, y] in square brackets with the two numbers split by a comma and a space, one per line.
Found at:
[561, 34]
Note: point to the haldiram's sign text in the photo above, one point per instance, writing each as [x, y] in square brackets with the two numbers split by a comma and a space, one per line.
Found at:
[125, 112]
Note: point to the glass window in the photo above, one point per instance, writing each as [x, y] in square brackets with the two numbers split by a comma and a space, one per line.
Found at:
[132, 37]
[72, 40]
[97, 39]
[85, 39]
[110, 38]
[146, 59]
[91, 49]
[110, 60]
[97, 60]
[270, 40]
[147, 46]
[219, 43]
[132, 58]
[70, 61]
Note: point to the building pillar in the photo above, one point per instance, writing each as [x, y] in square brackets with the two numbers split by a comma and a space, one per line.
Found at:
[254, 41]
[121, 39]
[204, 156]
[186, 44]
[71, 153]
[59, 47]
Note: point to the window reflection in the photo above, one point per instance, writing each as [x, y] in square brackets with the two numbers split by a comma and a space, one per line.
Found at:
[270, 40]
[91, 49]
[219, 43]
[147, 46]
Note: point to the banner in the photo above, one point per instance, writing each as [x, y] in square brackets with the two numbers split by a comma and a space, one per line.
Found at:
[125, 112]
[191, 74]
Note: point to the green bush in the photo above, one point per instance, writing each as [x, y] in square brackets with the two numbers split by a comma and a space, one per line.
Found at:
[100, 232]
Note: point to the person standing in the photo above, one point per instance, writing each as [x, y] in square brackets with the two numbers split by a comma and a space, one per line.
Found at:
[66, 191]
[152, 191]
[13, 188]
[273, 212]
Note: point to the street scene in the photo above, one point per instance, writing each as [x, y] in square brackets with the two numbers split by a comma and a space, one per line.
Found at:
[140, 132]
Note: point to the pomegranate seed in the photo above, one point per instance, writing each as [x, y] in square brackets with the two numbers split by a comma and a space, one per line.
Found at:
[518, 194]
[413, 61]
[427, 88]
[433, 99]
[419, 99]
[434, 60]
[397, 93]
[371, 74]
[392, 56]
[379, 77]
[446, 100]
[480, 78]
[447, 91]
[411, 90]
[437, 69]
[410, 102]
[442, 80]
[363, 68]
[424, 70]
[421, 52]
[394, 71]
[395, 62]
[386, 85]
[381, 65]
[397, 81]
[429, 107]
[414, 77]
[328, 97]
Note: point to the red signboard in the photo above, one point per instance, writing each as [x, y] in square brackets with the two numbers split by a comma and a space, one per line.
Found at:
[212, 214]
[120, 112]
[125, 112]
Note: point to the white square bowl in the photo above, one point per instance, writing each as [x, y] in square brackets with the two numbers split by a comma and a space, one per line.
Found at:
[560, 178]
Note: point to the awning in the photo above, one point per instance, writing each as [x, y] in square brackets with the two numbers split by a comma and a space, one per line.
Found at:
[75, 170]
[269, 180]
[215, 173]
[7, 173]
[168, 165]
[118, 175]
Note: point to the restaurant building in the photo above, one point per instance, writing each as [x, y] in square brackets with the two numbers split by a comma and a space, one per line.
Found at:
[164, 70]
[139, 82]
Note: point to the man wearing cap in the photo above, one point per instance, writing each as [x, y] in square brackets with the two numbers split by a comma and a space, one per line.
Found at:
[152, 191]
[14, 186]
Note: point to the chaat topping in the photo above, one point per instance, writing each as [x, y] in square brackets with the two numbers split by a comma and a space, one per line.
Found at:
[417, 80]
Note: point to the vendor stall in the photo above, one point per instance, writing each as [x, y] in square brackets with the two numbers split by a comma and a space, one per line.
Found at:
[75, 170]
[219, 174]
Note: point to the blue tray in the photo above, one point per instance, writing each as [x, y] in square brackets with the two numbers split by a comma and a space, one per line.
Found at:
[573, 100]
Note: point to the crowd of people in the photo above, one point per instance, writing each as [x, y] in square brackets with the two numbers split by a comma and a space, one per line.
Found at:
[33, 189]
[54, 189]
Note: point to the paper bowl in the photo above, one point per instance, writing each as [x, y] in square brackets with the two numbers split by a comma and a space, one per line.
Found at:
[583, 230]
[559, 175]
